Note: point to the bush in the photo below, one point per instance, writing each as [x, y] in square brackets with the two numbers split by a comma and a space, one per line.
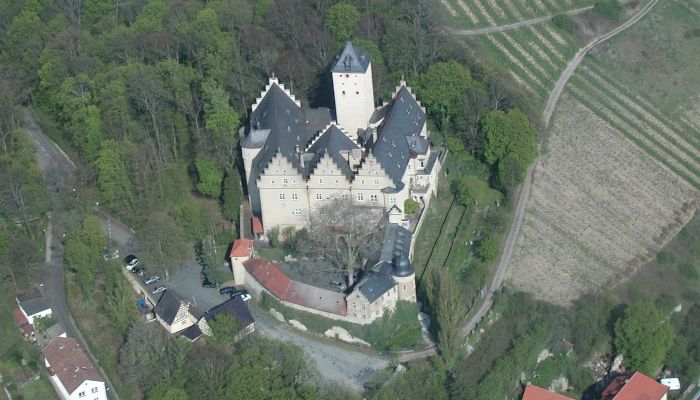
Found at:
[564, 23]
[688, 271]
[411, 206]
[274, 234]
[488, 249]
[610, 10]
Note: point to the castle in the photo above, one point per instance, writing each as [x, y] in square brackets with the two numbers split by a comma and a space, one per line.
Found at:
[298, 159]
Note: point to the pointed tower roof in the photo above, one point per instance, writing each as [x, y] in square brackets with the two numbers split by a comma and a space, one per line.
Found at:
[352, 60]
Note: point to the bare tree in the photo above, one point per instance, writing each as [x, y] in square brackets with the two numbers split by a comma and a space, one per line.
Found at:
[345, 233]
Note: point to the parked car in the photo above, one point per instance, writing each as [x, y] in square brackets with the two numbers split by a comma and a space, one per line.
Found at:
[338, 285]
[152, 279]
[238, 293]
[131, 262]
[206, 283]
[246, 297]
[141, 272]
[159, 289]
[228, 290]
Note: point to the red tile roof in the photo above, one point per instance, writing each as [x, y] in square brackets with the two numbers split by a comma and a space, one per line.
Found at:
[257, 225]
[241, 248]
[19, 317]
[537, 393]
[269, 275]
[70, 363]
[22, 322]
[638, 387]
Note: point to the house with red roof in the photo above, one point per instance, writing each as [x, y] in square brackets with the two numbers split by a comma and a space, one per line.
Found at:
[241, 251]
[635, 387]
[72, 374]
[22, 322]
[533, 392]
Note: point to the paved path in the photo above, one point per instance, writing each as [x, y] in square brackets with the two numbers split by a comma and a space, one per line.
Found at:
[503, 263]
[335, 361]
[574, 63]
[59, 172]
[515, 25]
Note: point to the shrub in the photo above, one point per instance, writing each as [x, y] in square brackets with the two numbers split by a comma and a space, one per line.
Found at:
[488, 249]
[565, 23]
[411, 206]
[688, 271]
[274, 234]
[610, 10]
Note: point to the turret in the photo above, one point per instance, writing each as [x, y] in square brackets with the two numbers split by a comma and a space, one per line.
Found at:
[352, 89]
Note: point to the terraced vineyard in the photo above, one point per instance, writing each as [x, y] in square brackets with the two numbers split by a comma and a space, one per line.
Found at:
[533, 55]
[620, 175]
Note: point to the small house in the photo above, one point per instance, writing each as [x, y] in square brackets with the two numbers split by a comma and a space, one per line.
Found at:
[72, 374]
[34, 306]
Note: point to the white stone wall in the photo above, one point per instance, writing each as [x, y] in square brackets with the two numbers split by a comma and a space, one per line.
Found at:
[238, 269]
[354, 99]
[90, 390]
[360, 309]
[406, 288]
[283, 195]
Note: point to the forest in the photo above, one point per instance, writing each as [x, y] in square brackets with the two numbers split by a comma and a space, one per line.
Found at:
[147, 98]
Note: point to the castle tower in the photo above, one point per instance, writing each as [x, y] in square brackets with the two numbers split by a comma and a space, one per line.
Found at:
[352, 89]
[405, 277]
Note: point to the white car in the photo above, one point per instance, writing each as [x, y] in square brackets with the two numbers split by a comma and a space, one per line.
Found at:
[131, 262]
[245, 297]
[159, 289]
[152, 279]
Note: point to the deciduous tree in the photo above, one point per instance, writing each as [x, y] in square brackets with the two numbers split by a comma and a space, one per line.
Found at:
[509, 132]
[643, 336]
[341, 20]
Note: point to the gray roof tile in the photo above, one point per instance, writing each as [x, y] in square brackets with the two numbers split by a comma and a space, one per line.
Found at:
[352, 60]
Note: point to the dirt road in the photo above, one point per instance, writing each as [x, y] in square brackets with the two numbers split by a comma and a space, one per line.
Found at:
[578, 57]
[515, 25]
[59, 173]
[503, 263]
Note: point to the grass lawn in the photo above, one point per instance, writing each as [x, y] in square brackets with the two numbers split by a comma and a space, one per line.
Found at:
[36, 389]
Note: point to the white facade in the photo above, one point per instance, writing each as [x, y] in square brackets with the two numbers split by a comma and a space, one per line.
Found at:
[88, 390]
[354, 99]
[41, 314]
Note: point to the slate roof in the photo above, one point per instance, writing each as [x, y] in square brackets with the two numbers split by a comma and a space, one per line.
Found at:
[234, 307]
[278, 124]
[376, 282]
[269, 275]
[32, 302]
[168, 306]
[352, 60]
[404, 119]
[70, 363]
[334, 143]
[192, 333]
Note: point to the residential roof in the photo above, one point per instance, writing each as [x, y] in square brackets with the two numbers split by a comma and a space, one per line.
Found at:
[637, 387]
[269, 275]
[22, 322]
[168, 306]
[336, 144]
[352, 60]
[404, 119]
[241, 248]
[234, 307]
[70, 364]
[32, 302]
[533, 392]
[192, 333]
[257, 225]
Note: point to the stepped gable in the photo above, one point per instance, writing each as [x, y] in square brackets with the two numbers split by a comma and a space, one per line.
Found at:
[352, 60]
[334, 142]
[279, 124]
[404, 119]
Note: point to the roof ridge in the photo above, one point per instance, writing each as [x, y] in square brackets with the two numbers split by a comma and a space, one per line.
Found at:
[273, 81]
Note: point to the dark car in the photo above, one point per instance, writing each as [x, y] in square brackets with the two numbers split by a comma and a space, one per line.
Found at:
[206, 283]
[238, 293]
[228, 290]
